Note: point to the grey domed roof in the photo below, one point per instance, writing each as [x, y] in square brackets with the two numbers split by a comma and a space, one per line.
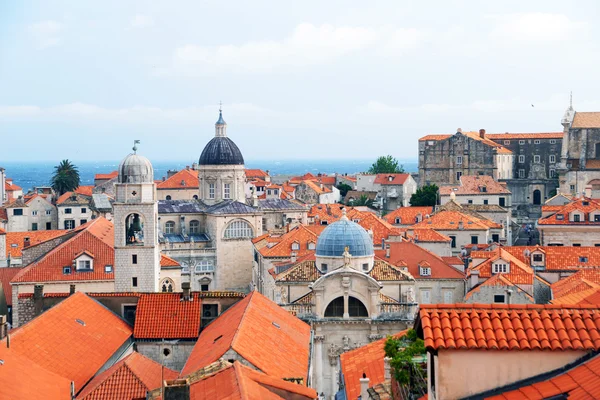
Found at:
[334, 239]
[221, 151]
[136, 169]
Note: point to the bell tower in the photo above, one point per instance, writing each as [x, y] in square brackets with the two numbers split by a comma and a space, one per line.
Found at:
[137, 255]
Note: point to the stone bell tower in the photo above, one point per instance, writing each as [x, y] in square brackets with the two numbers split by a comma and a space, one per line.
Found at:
[137, 255]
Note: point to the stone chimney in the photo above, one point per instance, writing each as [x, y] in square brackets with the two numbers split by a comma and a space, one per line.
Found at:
[387, 369]
[38, 299]
[71, 289]
[26, 242]
[460, 225]
[482, 133]
[474, 279]
[364, 387]
[3, 327]
[178, 389]
[293, 257]
[185, 286]
[387, 251]
[588, 191]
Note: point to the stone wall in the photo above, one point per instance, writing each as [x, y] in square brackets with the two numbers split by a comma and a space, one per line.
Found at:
[485, 295]
[306, 195]
[33, 253]
[441, 291]
[178, 353]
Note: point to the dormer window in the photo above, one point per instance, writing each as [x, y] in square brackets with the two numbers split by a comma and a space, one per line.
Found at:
[84, 262]
[538, 257]
[295, 246]
[483, 189]
[390, 178]
[500, 268]
[560, 217]
[424, 271]
[398, 220]
[583, 259]
[311, 245]
[585, 203]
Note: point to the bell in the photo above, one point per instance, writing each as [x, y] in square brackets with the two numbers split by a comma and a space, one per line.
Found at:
[137, 224]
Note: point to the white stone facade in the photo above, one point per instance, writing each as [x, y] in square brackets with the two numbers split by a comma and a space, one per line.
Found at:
[221, 182]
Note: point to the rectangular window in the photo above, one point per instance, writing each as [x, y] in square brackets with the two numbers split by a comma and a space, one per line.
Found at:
[134, 258]
[227, 190]
[365, 267]
[134, 281]
[84, 264]
[470, 201]
[501, 201]
[48, 212]
[521, 159]
[83, 210]
[552, 158]
[499, 298]
[68, 211]
[506, 142]
[536, 141]
[521, 142]
[560, 217]
[459, 159]
[486, 202]
[458, 175]
[583, 259]
[597, 218]
[425, 296]
[204, 288]
[576, 244]
[572, 187]
[576, 218]
[500, 268]
[448, 297]
[211, 190]
[82, 221]
[424, 271]
[34, 213]
[474, 239]
[48, 226]
[536, 159]
[67, 270]
[452, 241]
[205, 266]
[521, 173]
[538, 258]
[552, 141]
[552, 173]
[69, 224]
[324, 268]
[495, 238]
[34, 226]
[108, 269]
[18, 211]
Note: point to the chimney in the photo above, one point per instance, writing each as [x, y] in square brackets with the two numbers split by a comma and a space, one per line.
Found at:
[382, 243]
[178, 389]
[387, 373]
[387, 251]
[26, 242]
[3, 327]
[38, 299]
[293, 258]
[458, 130]
[482, 133]
[185, 286]
[364, 387]
[71, 289]
[195, 166]
[474, 279]
[588, 191]
[460, 225]
[187, 167]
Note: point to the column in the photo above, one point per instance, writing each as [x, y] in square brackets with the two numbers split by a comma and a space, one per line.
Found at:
[318, 360]
[346, 313]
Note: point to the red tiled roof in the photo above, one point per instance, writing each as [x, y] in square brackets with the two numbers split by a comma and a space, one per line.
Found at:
[73, 339]
[302, 235]
[381, 229]
[450, 221]
[255, 173]
[130, 378]
[473, 135]
[585, 296]
[85, 190]
[166, 261]
[15, 240]
[519, 272]
[316, 187]
[497, 280]
[428, 235]
[411, 255]
[11, 187]
[509, 327]
[560, 258]
[475, 185]
[96, 237]
[80, 198]
[249, 327]
[167, 316]
[452, 260]
[108, 176]
[590, 206]
[28, 199]
[184, 179]
[396, 179]
[21, 379]
[367, 359]
[6, 275]
[434, 137]
[586, 120]
[408, 215]
[581, 382]
[583, 279]
[510, 136]
[238, 382]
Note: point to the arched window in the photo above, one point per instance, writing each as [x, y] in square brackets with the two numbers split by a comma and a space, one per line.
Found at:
[355, 308]
[295, 246]
[170, 227]
[335, 308]
[134, 230]
[195, 197]
[311, 245]
[194, 226]
[167, 285]
[238, 229]
[168, 197]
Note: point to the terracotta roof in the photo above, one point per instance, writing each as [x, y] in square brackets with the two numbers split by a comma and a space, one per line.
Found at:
[367, 359]
[167, 316]
[184, 179]
[11, 187]
[28, 199]
[510, 136]
[332, 212]
[498, 280]
[108, 176]
[434, 137]
[396, 179]
[35, 382]
[561, 217]
[73, 339]
[384, 271]
[412, 256]
[316, 187]
[428, 235]
[586, 120]
[255, 173]
[96, 237]
[130, 378]
[475, 185]
[519, 272]
[301, 235]
[452, 260]
[381, 229]
[15, 240]
[585, 296]
[6, 275]
[560, 258]
[580, 382]
[408, 215]
[85, 190]
[450, 221]
[249, 327]
[166, 261]
[238, 382]
[509, 327]
[473, 135]
[73, 198]
[583, 279]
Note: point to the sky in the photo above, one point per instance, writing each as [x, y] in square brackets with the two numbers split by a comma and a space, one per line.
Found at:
[297, 79]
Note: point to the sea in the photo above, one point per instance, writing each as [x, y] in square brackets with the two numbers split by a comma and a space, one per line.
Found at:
[39, 173]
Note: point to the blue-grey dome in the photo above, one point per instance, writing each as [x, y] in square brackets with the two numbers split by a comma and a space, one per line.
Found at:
[334, 239]
[221, 151]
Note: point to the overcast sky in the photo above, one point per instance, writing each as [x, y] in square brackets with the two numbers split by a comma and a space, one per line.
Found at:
[298, 79]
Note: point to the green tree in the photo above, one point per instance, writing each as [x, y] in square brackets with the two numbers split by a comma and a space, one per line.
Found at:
[65, 178]
[363, 200]
[425, 196]
[344, 189]
[386, 165]
[407, 356]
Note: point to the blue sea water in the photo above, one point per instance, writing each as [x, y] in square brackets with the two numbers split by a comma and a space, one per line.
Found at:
[38, 173]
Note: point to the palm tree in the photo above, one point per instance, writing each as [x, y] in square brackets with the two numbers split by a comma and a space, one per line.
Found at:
[363, 200]
[65, 178]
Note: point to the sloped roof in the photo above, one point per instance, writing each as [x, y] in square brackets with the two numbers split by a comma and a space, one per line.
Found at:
[583, 279]
[181, 206]
[130, 378]
[381, 228]
[316, 187]
[85, 190]
[184, 179]
[509, 327]
[408, 215]
[583, 204]
[10, 187]
[519, 272]
[586, 120]
[450, 220]
[510, 136]
[166, 261]
[366, 359]
[428, 235]
[473, 135]
[559, 258]
[280, 204]
[230, 207]
[249, 327]
[474, 185]
[73, 198]
[301, 235]
[108, 176]
[255, 173]
[15, 240]
[73, 339]
[391, 179]
[6, 275]
[497, 280]
[167, 316]
[411, 255]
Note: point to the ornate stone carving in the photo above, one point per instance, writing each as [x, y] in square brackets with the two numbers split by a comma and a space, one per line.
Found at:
[319, 338]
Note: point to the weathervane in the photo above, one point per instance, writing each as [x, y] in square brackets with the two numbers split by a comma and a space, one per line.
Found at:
[135, 142]
[220, 106]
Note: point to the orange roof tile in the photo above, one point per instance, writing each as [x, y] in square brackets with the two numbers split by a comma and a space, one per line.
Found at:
[167, 316]
[498, 280]
[108, 176]
[475, 185]
[73, 339]
[408, 215]
[509, 327]
[511, 136]
[255, 173]
[559, 258]
[6, 275]
[583, 279]
[578, 297]
[11, 187]
[16, 240]
[166, 261]
[428, 235]
[586, 120]
[249, 327]
[96, 237]
[519, 272]
[316, 187]
[391, 179]
[451, 220]
[73, 198]
[85, 190]
[434, 137]
[184, 179]
[381, 229]
[367, 359]
[21, 379]
[130, 378]
[412, 256]
[561, 216]
[301, 235]
[580, 382]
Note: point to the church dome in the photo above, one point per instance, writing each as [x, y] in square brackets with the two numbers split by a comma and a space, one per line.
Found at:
[136, 169]
[221, 150]
[334, 239]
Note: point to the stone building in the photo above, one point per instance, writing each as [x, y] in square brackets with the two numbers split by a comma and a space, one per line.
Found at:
[311, 192]
[182, 185]
[574, 224]
[3, 197]
[73, 210]
[395, 190]
[32, 213]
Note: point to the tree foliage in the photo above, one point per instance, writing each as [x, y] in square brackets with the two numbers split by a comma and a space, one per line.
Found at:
[363, 200]
[65, 177]
[386, 165]
[344, 189]
[401, 353]
[425, 196]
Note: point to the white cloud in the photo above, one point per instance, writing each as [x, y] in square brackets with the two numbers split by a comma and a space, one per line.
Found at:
[46, 33]
[307, 45]
[536, 27]
[142, 21]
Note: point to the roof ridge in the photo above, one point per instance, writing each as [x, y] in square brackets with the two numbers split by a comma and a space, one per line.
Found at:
[239, 378]
[237, 329]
